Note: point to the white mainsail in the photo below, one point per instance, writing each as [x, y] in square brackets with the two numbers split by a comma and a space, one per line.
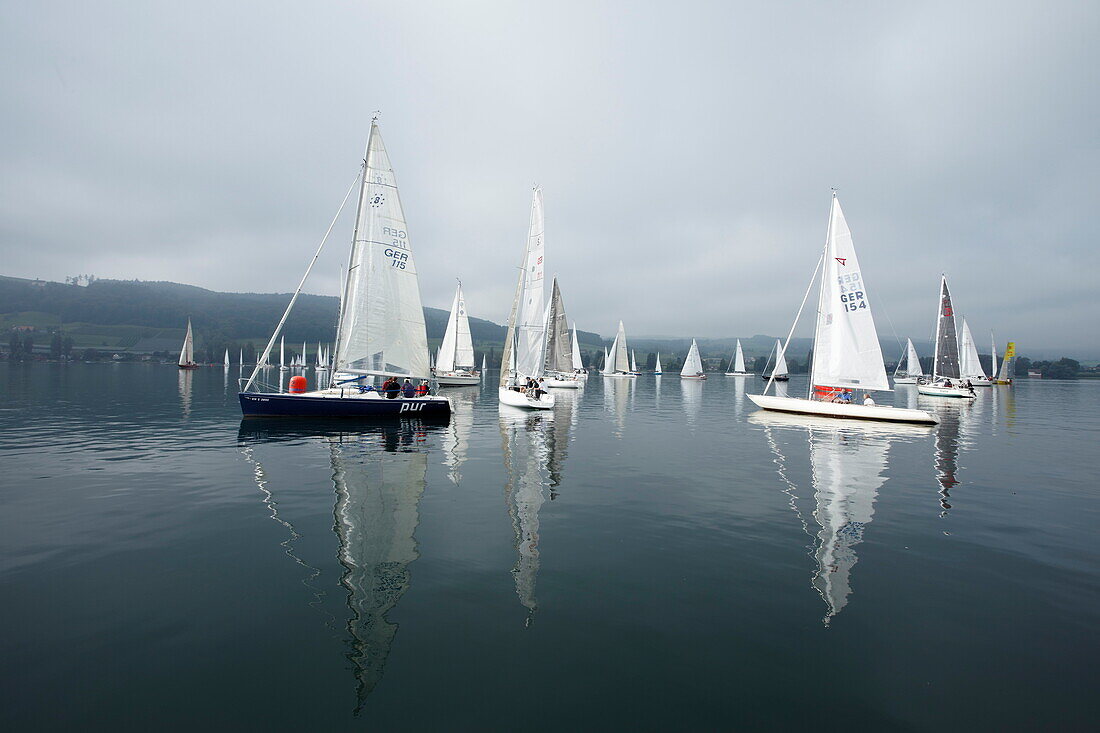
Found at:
[970, 366]
[578, 363]
[484, 363]
[381, 327]
[657, 369]
[531, 316]
[846, 349]
[633, 361]
[457, 349]
[282, 352]
[227, 358]
[693, 365]
[739, 359]
[780, 361]
[606, 362]
[187, 351]
[993, 358]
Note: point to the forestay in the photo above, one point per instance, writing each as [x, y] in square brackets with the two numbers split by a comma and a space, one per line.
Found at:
[381, 327]
[846, 348]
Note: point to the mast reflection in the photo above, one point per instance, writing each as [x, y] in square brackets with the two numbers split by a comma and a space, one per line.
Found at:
[847, 468]
[185, 377]
[948, 447]
[534, 445]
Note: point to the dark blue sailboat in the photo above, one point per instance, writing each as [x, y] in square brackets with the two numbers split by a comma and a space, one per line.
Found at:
[380, 332]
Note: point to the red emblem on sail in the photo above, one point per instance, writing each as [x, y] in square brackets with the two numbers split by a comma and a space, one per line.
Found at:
[842, 260]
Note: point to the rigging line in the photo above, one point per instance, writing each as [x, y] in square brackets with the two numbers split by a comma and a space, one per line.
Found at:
[790, 333]
[301, 284]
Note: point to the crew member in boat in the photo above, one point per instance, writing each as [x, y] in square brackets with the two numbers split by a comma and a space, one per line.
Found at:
[867, 400]
[422, 388]
[408, 389]
[391, 387]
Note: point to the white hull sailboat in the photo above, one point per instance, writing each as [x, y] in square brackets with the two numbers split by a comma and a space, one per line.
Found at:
[737, 366]
[657, 371]
[693, 364]
[187, 351]
[558, 365]
[945, 363]
[525, 344]
[847, 355]
[617, 361]
[779, 371]
[380, 332]
[454, 363]
[913, 372]
[970, 366]
[1007, 371]
[575, 357]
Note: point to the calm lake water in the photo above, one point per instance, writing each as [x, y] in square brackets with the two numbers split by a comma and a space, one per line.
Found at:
[653, 555]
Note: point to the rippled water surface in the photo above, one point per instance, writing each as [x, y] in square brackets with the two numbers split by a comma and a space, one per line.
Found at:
[654, 554]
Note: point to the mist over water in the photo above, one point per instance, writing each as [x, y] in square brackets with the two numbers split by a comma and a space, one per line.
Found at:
[654, 553]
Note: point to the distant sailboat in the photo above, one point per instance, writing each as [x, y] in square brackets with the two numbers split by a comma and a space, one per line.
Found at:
[484, 363]
[693, 364]
[912, 371]
[945, 363]
[282, 354]
[578, 363]
[970, 365]
[454, 365]
[633, 363]
[737, 365]
[526, 339]
[657, 369]
[380, 331]
[780, 371]
[618, 359]
[187, 351]
[227, 358]
[847, 355]
[1008, 367]
[558, 363]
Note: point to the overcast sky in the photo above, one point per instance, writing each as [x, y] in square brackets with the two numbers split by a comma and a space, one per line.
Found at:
[686, 151]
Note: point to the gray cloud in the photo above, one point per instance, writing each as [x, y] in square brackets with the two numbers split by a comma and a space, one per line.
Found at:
[686, 152]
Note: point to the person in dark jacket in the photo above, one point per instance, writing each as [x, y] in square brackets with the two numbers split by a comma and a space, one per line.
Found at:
[408, 389]
[391, 387]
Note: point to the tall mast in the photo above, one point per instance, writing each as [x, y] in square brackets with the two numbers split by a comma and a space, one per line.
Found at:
[820, 295]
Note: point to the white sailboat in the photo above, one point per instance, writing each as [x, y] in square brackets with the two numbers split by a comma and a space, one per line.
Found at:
[970, 366]
[187, 351]
[633, 363]
[524, 345]
[780, 372]
[322, 358]
[945, 364]
[657, 369]
[737, 365]
[454, 364]
[558, 364]
[484, 363]
[912, 371]
[693, 364]
[227, 358]
[282, 354]
[847, 355]
[617, 362]
[578, 364]
[606, 362]
[380, 331]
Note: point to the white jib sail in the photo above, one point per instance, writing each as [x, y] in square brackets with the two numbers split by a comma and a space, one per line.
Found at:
[846, 348]
[780, 360]
[693, 365]
[606, 369]
[457, 349]
[559, 357]
[620, 356]
[578, 363]
[187, 351]
[633, 361]
[969, 366]
[227, 357]
[531, 323]
[739, 359]
[912, 365]
[381, 328]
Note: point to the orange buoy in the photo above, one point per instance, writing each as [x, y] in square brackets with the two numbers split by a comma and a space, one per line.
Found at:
[298, 384]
